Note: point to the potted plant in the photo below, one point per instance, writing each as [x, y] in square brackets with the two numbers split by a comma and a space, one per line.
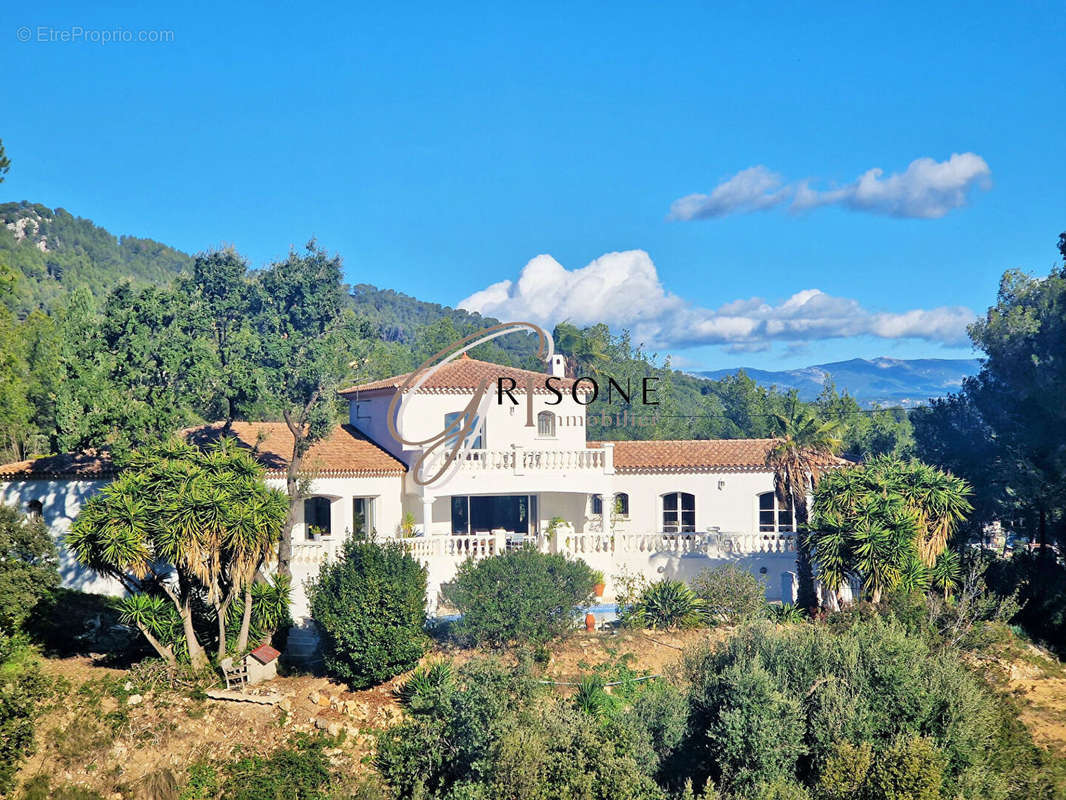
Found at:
[407, 524]
[600, 585]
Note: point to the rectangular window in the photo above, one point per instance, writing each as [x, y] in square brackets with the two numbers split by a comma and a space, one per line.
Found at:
[363, 517]
[456, 416]
[679, 512]
[460, 514]
[317, 517]
[766, 511]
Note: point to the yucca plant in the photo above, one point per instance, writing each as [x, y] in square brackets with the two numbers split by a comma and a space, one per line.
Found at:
[591, 697]
[429, 689]
[946, 572]
[669, 604]
[887, 521]
[155, 617]
[785, 614]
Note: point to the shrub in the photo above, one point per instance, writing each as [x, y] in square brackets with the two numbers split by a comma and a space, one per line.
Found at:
[522, 597]
[300, 770]
[817, 687]
[501, 735]
[28, 566]
[22, 690]
[370, 606]
[668, 604]
[753, 729]
[911, 768]
[731, 595]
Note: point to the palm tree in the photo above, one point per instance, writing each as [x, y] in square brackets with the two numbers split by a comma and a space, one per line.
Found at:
[803, 447]
[585, 350]
[205, 513]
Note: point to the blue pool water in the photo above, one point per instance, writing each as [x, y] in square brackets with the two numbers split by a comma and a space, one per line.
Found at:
[603, 612]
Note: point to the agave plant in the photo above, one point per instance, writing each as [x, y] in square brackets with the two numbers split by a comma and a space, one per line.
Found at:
[669, 604]
[429, 688]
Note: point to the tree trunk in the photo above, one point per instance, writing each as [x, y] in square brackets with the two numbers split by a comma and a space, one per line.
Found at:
[806, 597]
[165, 652]
[197, 656]
[183, 604]
[222, 611]
[292, 487]
[246, 621]
[1041, 535]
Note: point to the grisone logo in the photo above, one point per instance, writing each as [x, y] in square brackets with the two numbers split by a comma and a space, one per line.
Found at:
[441, 451]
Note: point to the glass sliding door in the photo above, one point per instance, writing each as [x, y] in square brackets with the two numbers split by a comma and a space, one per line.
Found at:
[484, 513]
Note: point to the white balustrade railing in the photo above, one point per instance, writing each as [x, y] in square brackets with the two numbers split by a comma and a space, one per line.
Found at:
[457, 547]
[312, 553]
[460, 547]
[520, 460]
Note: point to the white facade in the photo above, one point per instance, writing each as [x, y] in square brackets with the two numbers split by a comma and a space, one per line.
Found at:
[540, 484]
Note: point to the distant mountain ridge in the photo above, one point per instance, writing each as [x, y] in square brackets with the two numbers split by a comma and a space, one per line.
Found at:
[884, 381]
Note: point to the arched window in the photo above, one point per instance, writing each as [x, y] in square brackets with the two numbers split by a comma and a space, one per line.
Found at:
[35, 509]
[621, 504]
[774, 517]
[546, 424]
[679, 512]
[316, 517]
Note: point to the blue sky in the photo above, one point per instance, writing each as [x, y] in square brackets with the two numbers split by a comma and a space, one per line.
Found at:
[439, 149]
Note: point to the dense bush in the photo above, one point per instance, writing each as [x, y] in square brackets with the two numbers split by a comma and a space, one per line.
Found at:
[1040, 584]
[500, 734]
[803, 705]
[28, 566]
[299, 769]
[370, 607]
[521, 597]
[730, 594]
[22, 691]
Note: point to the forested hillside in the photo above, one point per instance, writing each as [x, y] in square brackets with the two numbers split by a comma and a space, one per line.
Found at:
[53, 252]
[108, 342]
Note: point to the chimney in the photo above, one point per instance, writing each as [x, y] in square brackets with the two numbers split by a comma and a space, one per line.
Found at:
[557, 366]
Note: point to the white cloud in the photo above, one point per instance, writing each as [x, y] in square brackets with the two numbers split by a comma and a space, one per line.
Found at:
[752, 189]
[623, 289]
[927, 189]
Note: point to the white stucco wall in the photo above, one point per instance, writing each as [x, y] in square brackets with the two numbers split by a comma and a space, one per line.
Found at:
[61, 501]
[733, 507]
[505, 424]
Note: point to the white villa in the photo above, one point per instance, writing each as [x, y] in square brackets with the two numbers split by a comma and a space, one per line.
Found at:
[660, 508]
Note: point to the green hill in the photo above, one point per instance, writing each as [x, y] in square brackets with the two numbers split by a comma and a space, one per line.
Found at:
[52, 252]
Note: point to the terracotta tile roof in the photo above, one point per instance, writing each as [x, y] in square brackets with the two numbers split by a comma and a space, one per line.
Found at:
[90, 465]
[345, 452]
[464, 374]
[695, 455]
